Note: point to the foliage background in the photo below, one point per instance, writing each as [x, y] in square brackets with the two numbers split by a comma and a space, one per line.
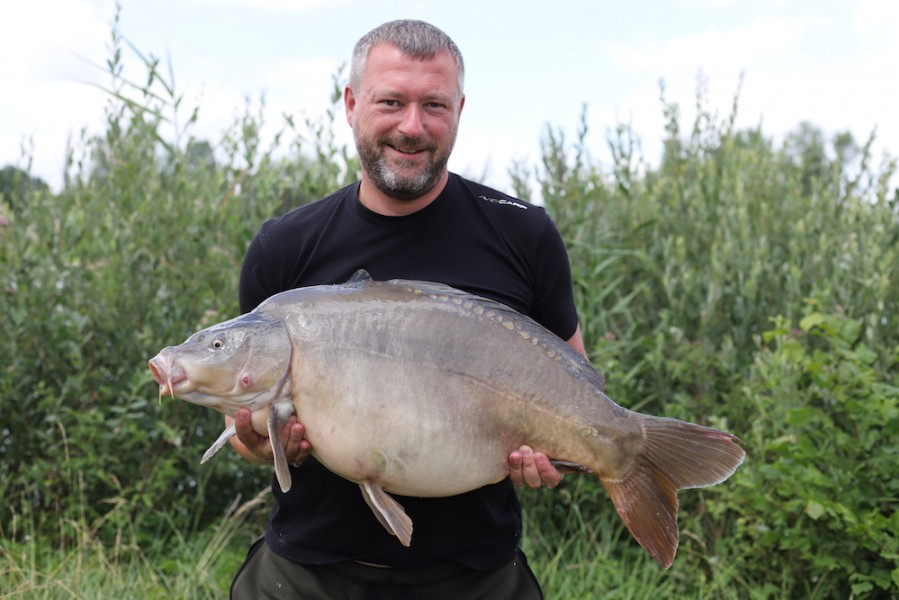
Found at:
[740, 283]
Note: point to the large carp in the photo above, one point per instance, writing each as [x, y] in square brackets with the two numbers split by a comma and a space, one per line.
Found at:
[385, 376]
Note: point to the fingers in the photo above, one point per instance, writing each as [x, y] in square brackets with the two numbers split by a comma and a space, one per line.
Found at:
[296, 447]
[533, 469]
[243, 426]
[549, 475]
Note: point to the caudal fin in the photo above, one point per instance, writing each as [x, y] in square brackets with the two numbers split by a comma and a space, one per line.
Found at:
[675, 455]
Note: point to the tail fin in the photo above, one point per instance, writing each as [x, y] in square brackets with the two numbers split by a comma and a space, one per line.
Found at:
[675, 455]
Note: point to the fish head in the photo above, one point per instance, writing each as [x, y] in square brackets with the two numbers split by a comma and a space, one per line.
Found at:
[242, 362]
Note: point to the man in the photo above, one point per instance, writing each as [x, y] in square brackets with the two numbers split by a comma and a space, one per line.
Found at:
[407, 218]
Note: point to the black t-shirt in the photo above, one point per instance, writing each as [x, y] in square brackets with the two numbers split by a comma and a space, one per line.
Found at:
[470, 237]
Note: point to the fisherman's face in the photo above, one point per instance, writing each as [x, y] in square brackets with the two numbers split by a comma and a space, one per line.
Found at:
[405, 115]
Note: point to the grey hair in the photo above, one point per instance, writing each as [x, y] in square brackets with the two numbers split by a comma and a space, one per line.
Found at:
[415, 38]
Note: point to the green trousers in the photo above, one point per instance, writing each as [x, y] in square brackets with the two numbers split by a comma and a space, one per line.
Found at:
[267, 575]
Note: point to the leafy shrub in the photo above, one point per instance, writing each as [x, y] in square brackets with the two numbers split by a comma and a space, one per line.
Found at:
[141, 248]
[821, 493]
[678, 272]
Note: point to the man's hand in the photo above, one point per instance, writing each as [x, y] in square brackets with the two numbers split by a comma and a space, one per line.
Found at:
[534, 469]
[256, 448]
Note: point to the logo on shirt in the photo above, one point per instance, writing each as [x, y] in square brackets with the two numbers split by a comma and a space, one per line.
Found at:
[504, 202]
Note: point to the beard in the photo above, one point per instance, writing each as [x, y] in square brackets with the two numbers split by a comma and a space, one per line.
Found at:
[402, 179]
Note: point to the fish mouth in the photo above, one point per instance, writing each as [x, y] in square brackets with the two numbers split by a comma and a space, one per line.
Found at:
[169, 375]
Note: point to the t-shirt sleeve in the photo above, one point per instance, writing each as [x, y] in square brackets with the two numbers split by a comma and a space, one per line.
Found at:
[554, 305]
[255, 274]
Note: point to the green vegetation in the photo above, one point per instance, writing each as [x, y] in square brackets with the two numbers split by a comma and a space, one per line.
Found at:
[739, 283]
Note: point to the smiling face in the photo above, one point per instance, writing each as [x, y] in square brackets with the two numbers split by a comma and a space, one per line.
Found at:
[405, 115]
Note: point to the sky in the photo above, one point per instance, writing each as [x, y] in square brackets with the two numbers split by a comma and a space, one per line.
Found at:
[530, 65]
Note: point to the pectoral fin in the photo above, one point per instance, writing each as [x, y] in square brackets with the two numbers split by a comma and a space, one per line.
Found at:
[388, 511]
[278, 414]
[229, 432]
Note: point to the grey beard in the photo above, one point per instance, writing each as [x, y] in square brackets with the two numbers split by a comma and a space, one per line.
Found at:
[403, 188]
[389, 182]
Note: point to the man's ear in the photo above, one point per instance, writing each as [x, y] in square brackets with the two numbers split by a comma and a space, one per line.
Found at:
[349, 104]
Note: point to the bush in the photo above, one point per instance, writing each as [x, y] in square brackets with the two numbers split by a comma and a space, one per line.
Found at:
[821, 493]
[679, 271]
[141, 248]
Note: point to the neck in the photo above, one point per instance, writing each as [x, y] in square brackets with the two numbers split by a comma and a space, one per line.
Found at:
[377, 201]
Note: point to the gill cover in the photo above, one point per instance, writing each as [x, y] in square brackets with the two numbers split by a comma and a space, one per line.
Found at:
[234, 363]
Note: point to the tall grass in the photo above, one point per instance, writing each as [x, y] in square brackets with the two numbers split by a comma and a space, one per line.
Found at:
[87, 566]
[739, 283]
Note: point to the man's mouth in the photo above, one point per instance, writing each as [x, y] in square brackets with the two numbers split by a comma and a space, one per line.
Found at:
[407, 151]
[408, 147]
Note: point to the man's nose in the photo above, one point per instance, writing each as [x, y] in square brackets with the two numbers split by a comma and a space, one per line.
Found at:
[411, 125]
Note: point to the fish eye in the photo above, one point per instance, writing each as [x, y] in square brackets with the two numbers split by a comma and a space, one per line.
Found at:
[218, 343]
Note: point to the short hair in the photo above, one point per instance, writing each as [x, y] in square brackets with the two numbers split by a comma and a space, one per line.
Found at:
[415, 38]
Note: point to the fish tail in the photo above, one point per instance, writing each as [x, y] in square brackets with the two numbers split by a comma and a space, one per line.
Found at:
[675, 455]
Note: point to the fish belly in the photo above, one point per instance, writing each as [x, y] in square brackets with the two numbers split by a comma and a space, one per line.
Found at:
[430, 435]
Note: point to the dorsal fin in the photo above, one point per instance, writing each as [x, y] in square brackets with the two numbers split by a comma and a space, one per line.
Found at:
[359, 277]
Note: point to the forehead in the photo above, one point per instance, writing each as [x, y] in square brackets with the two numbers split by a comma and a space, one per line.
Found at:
[388, 66]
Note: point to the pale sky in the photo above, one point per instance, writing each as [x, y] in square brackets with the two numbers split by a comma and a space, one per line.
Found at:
[529, 64]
